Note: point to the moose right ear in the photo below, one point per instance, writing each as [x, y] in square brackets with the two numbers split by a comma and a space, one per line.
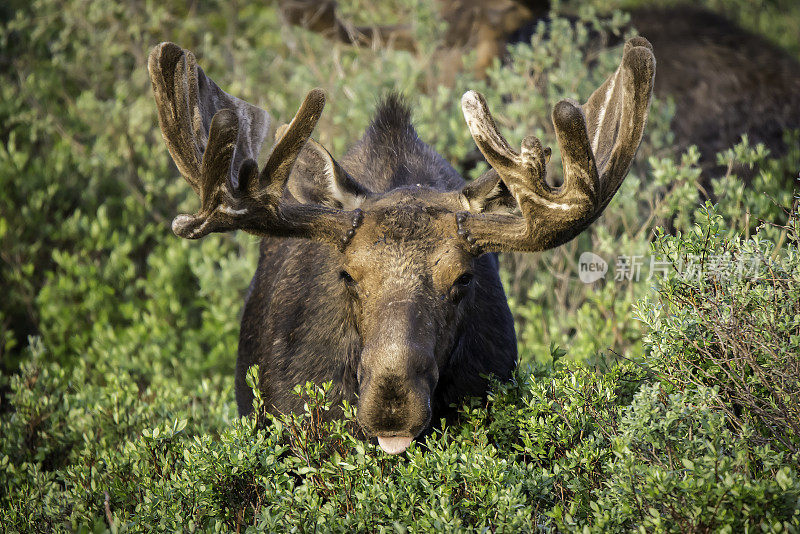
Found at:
[319, 179]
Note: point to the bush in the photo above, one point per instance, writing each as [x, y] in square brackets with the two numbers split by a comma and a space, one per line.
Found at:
[560, 449]
[730, 319]
[117, 340]
[678, 467]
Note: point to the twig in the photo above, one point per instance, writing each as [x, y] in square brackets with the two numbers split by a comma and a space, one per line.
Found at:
[107, 506]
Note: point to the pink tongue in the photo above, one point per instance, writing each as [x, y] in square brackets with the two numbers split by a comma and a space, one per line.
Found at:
[394, 445]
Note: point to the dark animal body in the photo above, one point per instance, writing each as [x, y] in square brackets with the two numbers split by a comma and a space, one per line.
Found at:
[379, 272]
[725, 81]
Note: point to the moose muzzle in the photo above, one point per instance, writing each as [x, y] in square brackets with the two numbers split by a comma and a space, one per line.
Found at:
[397, 376]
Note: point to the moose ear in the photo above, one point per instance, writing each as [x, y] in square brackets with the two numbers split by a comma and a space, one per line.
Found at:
[319, 179]
[488, 194]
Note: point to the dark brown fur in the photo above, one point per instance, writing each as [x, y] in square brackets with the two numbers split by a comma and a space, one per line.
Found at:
[725, 81]
[302, 322]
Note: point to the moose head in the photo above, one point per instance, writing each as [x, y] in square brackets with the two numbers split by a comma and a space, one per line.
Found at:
[401, 304]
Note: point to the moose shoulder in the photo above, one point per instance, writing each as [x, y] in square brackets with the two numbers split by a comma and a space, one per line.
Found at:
[378, 272]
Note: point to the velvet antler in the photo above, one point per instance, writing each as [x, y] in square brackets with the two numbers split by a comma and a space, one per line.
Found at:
[215, 138]
[598, 142]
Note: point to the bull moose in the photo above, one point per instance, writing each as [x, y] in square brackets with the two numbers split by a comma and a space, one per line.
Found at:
[379, 272]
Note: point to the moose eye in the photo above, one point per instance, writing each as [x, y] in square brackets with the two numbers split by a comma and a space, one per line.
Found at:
[344, 275]
[463, 280]
[460, 287]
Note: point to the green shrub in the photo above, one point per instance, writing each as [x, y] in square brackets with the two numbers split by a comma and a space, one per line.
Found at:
[561, 449]
[117, 340]
[730, 319]
[678, 467]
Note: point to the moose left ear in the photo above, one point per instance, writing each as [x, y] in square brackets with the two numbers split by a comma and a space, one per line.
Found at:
[319, 179]
[488, 194]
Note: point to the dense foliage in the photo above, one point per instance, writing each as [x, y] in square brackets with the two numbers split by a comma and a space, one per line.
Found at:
[117, 340]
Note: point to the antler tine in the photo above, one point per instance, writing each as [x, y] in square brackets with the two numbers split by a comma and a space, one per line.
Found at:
[255, 204]
[287, 148]
[214, 139]
[187, 102]
[523, 172]
[595, 159]
[168, 70]
[616, 124]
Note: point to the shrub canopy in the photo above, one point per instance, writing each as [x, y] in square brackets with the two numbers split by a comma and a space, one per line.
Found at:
[672, 404]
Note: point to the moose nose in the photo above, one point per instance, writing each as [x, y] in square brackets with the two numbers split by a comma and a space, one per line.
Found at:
[395, 394]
